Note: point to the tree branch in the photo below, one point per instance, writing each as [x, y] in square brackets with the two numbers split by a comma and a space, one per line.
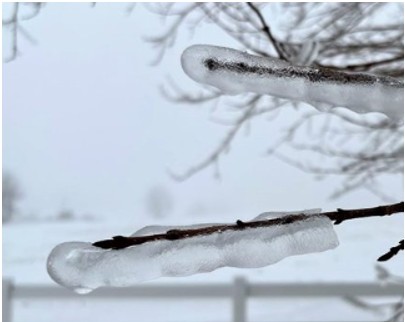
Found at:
[266, 29]
[224, 144]
[119, 242]
[392, 252]
[13, 23]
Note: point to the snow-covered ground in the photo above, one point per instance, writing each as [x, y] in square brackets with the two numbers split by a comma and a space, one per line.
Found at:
[193, 310]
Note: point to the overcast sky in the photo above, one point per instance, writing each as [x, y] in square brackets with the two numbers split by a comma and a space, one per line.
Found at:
[85, 127]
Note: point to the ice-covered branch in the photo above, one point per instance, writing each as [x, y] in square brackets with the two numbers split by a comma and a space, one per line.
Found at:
[337, 216]
[186, 250]
[349, 34]
[158, 251]
[349, 37]
[236, 72]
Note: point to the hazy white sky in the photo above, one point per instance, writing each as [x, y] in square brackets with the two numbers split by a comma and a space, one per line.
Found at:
[85, 127]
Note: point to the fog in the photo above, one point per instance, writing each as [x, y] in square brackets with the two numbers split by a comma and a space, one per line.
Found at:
[85, 127]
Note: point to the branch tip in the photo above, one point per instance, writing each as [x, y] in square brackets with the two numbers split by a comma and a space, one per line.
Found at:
[392, 252]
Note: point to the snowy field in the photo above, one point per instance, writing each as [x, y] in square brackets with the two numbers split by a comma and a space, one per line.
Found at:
[172, 310]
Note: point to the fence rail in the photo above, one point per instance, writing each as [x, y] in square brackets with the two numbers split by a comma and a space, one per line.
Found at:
[240, 291]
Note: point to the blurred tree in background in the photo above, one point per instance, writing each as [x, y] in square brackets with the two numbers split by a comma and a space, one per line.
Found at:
[352, 37]
[11, 194]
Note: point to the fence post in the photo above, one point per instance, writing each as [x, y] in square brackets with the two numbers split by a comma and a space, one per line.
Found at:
[239, 299]
[7, 301]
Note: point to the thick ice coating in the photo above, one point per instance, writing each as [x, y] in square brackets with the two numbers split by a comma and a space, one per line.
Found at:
[278, 214]
[236, 72]
[83, 267]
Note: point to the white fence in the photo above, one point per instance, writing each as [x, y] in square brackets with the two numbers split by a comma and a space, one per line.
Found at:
[240, 291]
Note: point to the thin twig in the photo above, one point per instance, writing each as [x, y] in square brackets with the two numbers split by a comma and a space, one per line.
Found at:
[266, 29]
[119, 242]
[392, 252]
[224, 144]
[13, 23]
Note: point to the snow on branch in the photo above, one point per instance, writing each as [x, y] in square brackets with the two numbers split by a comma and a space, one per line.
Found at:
[235, 72]
[158, 251]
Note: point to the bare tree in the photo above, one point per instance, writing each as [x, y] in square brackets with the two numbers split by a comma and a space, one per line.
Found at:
[11, 194]
[356, 37]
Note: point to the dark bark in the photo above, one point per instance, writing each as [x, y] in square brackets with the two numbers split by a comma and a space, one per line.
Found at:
[119, 242]
[392, 252]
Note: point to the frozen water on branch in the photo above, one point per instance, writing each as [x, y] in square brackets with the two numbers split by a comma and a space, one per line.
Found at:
[278, 214]
[83, 267]
[157, 229]
[236, 72]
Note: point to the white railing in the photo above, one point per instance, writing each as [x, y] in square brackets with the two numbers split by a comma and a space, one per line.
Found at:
[240, 291]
